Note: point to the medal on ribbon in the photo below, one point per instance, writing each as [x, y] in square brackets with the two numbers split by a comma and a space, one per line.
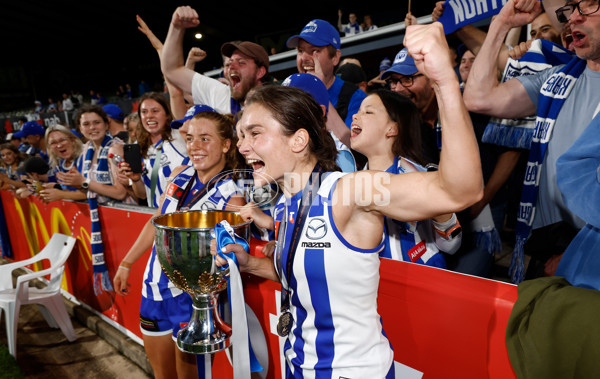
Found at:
[284, 325]
[286, 320]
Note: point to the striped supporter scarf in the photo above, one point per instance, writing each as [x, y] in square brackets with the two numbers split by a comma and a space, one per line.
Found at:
[553, 94]
[517, 132]
[102, 175]
[62, 167]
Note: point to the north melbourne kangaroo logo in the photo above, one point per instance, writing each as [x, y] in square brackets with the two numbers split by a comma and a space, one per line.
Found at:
[317, 228]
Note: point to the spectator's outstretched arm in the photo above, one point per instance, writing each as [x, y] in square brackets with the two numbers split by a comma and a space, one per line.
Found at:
[473, 39]
[177, 100]
[483, 93]
[171, 59]
[195, 55]
[513, 36]
[410, 20]
[335, 123]
[438, 10]
[143, 27]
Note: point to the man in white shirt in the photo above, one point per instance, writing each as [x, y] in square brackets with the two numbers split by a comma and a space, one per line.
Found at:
[249, 66]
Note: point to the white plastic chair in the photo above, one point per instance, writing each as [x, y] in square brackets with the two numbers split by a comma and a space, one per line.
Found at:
[49, 299]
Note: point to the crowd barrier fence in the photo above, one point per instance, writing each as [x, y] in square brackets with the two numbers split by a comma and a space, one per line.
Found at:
[441, 324]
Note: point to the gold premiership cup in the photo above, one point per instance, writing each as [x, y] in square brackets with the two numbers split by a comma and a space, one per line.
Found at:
[182, 241]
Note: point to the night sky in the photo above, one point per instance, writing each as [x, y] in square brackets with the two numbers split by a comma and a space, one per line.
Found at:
[52, 47]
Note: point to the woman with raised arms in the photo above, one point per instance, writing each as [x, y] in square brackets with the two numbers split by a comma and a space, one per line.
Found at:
[328, 242]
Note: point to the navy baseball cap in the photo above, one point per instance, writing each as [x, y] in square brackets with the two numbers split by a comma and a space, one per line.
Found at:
[317, 33]
[114, 111]
[30, 128]
[403, 65]
[191, 112]
[311, 84]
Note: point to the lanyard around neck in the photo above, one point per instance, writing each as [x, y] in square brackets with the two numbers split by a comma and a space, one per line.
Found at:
[308, 194]
[183, 202]
[154, 177]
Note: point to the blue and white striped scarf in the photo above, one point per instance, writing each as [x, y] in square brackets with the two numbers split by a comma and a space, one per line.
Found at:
[61, 167]
[553, 94]
[352, 28]
[102, 175]
[517, 132]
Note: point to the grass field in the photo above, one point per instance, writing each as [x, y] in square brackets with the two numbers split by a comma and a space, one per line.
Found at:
[8, 365]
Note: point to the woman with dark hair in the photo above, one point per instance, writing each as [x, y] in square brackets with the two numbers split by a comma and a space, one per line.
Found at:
[162, 148]
[11, 158]
[387, 131]
[328, 242]
[205, 184]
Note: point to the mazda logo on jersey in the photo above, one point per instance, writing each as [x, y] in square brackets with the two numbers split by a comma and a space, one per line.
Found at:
[317, 228]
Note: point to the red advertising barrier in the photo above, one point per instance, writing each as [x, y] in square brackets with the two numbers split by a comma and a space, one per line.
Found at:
[441, 324]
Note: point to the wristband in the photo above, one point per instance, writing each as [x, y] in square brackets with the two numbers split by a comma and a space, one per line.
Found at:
[124, 268]
[443, 225]
[125, 265]
[450, 233]
[448, 229]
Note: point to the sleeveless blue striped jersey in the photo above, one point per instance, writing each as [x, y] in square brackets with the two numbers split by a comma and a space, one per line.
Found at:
[337, 331]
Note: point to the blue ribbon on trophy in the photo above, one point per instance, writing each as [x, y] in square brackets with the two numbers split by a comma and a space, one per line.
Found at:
[242, 347]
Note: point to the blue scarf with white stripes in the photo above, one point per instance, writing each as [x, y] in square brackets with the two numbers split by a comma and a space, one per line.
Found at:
[61, 167]
[517, 132]
[553, 94]
[101, 278]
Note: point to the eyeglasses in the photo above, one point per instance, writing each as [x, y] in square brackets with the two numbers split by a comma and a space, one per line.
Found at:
[406, 81]
[58, 142]
[585, 8]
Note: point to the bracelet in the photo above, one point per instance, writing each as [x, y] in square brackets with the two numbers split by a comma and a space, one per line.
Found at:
[444, 225]
[125, 265]
[448, 229]
[124, 268]
[451, 233]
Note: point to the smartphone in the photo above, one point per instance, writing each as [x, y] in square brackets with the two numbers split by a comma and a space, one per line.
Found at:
[133, 157]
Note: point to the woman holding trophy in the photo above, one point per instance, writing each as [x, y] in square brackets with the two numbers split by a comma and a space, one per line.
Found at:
[210, 144]
[326, 256]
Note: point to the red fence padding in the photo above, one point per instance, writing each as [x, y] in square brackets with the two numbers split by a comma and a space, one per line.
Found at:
[441, 323]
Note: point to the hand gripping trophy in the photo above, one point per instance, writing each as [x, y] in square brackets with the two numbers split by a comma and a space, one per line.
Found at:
[182, 242]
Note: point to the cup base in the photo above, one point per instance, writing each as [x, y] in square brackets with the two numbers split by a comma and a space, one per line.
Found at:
[188, 343]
